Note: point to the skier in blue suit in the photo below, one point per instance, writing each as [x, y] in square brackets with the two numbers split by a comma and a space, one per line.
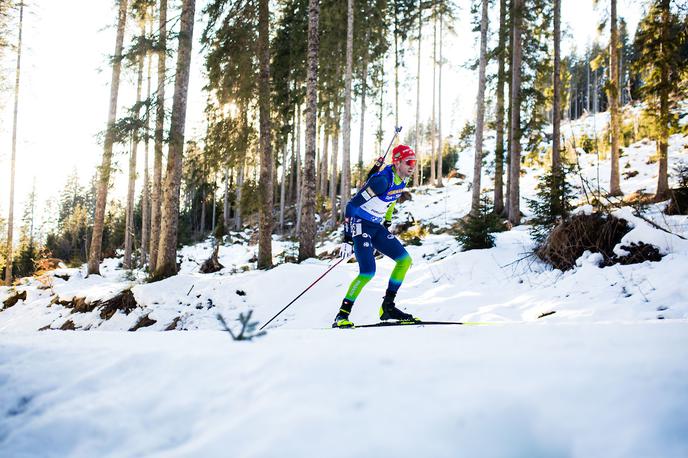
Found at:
[367, 219]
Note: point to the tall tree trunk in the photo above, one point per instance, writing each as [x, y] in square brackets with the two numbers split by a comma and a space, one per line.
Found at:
[129, 231]
[509, 80]
[239, 192]
[10, 217]
[324, 175]
[433, 133]
[225, 202]
[105, 167]
[167, 251]
[613, 96]
[364, 90]
[346, 138]
[556, 112]
[299, 172]
[307, 232]
[480, 111]
[266, 163]
[396, 62]
[145, 199]
[416, 175]
[501, 77]
[214, 215]
[515, 131]
[283, 187]
[333, 186]
[159, 130]
[588, 105]
[663, 141]
[439, 110]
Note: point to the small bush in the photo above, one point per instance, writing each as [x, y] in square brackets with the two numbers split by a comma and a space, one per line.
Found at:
[597, 233]
[476, 231]
[553, 202]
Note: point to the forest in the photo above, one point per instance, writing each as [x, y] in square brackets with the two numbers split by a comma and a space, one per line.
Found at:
[282, 82]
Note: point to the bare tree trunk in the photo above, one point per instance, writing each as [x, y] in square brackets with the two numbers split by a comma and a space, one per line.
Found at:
[333, 186]
[439, 111]
[663, 140]
[129, 231]
[145, 199]
[307, 232]
[613, 96]
[396, 63]
[499, 148]
[364, 90]
[10, 218]
[225, 201]
[159, 129]
[515, 131]
[419, 166]
[346, 139]
[509, 80]
[214, 219]
[433, 132]
[323, 160]
[167, 251]
[266, 165]
[299, 172]
[556, 103]
[239, 193]
[283, 187]
[105, 167]
[480, 111]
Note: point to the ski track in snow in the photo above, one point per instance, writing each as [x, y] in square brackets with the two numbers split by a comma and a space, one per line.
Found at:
[606, 375]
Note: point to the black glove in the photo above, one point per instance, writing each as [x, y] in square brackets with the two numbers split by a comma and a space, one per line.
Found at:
[347, 247]
[348, 233]
[387, 223]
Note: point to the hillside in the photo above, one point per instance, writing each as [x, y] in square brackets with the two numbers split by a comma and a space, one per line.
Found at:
[605, 371]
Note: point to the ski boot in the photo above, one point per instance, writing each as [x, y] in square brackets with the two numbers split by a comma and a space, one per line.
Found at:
[342, 321]
[388, 311]
[342, 318]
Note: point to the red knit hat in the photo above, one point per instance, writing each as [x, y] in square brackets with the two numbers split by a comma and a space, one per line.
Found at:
[403, 153]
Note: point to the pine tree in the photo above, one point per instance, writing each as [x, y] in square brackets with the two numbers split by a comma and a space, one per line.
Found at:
[515, 128]
[662, 60]
[266, 160]
[105, 167]
[480, 112]
[613, 97]
[167, 250]
[307, 233]
[10, 218]
[477, 228]
[159, 136]
[501, 80]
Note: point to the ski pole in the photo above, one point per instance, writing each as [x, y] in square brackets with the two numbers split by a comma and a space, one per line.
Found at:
[381, 160]
[302, 293]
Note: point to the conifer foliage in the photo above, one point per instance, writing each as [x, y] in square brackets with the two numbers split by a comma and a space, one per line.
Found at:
[477, 229]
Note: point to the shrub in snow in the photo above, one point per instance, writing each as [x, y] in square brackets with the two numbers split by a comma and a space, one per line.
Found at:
[552, 203]
[475, 231]
[248, 327]
[597, 233]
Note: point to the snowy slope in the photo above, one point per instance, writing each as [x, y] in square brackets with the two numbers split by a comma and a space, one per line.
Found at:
[605, 375]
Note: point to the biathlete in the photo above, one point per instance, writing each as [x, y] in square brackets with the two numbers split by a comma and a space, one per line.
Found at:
[367, 219]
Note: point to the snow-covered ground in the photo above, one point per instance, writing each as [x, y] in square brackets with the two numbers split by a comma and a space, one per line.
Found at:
[605, 375]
